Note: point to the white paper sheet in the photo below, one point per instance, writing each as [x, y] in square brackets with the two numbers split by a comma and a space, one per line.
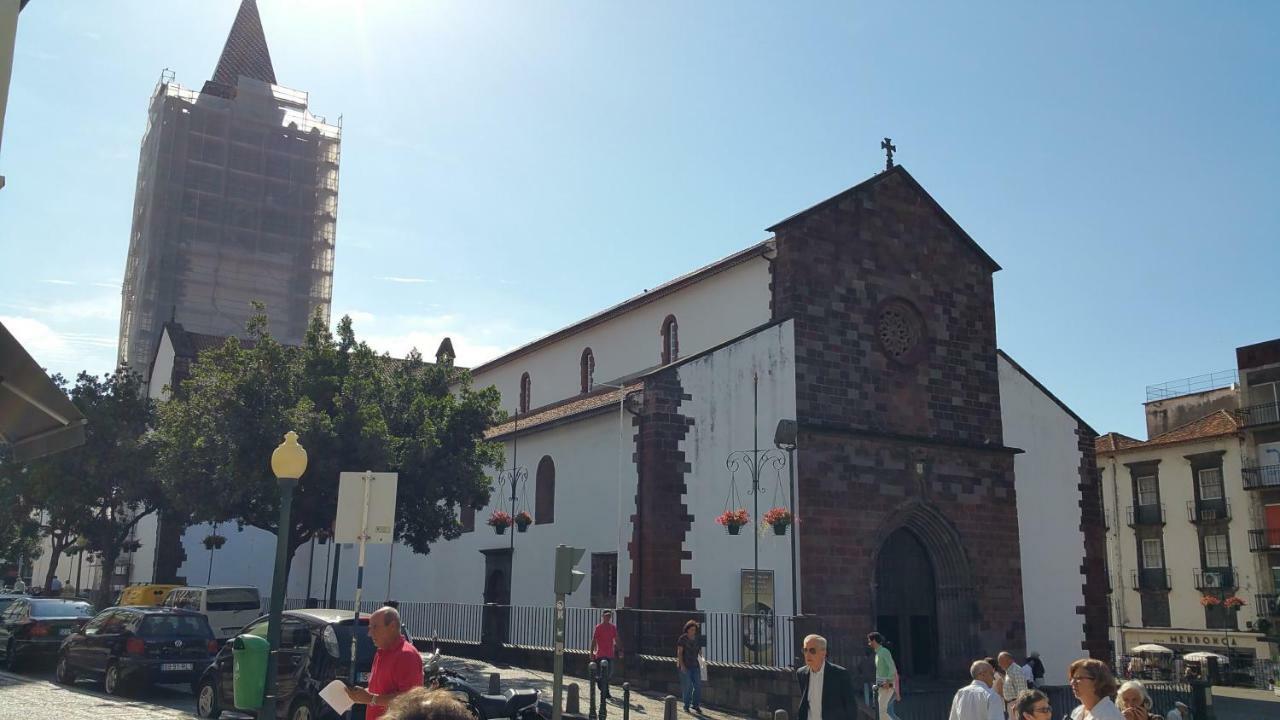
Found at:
[335, 694]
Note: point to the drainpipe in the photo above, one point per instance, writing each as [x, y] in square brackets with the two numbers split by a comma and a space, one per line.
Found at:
[1122, 614]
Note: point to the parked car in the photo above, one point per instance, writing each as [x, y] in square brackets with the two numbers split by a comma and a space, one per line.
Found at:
[7, 598]
[228, 608]
[315, 649]
[144, 595]
[134, 647]
[32, 628]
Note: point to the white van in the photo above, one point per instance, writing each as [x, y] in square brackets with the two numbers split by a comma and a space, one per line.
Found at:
[228, 608]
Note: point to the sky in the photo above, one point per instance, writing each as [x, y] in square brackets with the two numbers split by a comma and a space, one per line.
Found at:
[511, 167]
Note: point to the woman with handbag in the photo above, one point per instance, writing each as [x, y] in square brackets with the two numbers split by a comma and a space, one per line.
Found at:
[688, 648]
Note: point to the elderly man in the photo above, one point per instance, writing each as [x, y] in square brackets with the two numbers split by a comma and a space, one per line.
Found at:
[1015, 680]
[826, 689]
[397, 666]
[976, 701]
[1180, 711]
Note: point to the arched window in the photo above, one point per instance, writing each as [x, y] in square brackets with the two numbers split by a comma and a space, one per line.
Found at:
[670, 340]
[544, 492]
[525, 391]
[587, 371]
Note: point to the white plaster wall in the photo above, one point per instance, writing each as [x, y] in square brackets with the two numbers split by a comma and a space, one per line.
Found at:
[707, 313]
[1051, 546]
[721, 407]
[144, 561]
[162, 369]
[247, 558]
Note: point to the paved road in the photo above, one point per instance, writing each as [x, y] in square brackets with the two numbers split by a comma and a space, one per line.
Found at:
[34, 696]
[1241, 704]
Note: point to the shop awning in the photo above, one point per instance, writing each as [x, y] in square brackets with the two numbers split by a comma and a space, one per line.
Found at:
[1150, 649]
[36, 418]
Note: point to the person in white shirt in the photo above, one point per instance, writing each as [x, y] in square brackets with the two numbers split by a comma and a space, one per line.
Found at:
[1094, 686]
[976, 701]
[1180, 711]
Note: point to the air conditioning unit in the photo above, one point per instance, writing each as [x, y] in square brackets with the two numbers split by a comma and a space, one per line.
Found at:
[1213, 580]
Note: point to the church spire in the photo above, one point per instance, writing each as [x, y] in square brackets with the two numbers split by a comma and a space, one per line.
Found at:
[245, 52]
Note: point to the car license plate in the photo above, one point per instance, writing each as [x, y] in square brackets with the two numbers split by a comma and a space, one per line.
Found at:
[64, 631]
[175, 667]
[362, 677]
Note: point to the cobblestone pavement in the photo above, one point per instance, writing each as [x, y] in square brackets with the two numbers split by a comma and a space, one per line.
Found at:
[35, 696]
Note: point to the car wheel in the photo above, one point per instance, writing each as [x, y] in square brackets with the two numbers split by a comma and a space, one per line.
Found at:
[113, 681]
[207, 699]
[63, 672]
[11, 662]
[301, 710]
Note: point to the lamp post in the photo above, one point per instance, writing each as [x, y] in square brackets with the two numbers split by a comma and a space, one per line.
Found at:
[288, 462]
[784, 437]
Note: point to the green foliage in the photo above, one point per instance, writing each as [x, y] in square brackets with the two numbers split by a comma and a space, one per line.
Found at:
[352, 409]
[19, 529]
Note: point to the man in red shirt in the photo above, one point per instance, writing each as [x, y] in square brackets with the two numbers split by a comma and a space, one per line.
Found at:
[605, 650]
[397, 666]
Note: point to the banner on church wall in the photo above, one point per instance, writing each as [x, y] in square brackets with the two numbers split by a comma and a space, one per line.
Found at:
[758, 623]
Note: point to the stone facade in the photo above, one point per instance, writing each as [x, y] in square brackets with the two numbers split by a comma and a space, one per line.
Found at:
[1097, 604]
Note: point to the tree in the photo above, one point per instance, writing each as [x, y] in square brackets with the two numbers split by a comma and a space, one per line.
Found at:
[19, 529]
[352, 410]
[99, 491]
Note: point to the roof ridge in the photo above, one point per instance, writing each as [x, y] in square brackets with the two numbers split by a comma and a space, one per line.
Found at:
[1200, 419]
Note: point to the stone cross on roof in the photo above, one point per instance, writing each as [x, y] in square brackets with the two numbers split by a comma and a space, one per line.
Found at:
[888, 147]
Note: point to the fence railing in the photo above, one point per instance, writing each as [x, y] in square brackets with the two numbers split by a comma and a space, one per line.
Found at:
[1258, 477]
[1216, 578]
[729, 638]
[1208, 510]
[1264, 414]
[1146, 514]
[1264, 539]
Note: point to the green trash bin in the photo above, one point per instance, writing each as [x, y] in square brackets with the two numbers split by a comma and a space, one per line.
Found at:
[249, 670]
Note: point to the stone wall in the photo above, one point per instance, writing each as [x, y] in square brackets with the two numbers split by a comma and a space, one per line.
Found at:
[1097, 591]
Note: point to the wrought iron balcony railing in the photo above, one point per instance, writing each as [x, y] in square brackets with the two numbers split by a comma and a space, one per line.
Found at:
[1264, 539]
[1264, 414]
[1200, 511]
[1215, 578]
[1260, 477]
[1267, 603]
[1146, 514]
[1150, 579]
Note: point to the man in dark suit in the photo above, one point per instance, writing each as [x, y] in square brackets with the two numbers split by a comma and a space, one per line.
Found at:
[829, 685]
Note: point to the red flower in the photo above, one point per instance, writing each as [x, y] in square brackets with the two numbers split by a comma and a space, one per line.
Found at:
[1209, 600]
[779, 516]
[524, 518]
[737, 517]
[500, 519]
[1234, 602]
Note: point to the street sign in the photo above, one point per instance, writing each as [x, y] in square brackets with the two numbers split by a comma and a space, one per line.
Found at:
[382, 507]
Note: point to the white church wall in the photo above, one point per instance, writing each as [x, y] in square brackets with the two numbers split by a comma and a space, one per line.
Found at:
[721, 407]
[1046, 479]
[162, 370]
[707, 313]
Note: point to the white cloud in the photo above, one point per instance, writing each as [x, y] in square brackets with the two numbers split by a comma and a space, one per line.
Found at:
[64, 352]
[358, 317]
[474, 343]
[96, 309]
[59, 282]
[410, 280]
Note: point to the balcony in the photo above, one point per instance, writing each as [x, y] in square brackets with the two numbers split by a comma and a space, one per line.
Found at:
[1150, 579]
[1215, 578]
[1260, 477]
[1264, 540]
[1257, 415]
[1267, 604]
[1146, 515]
[1208, 511]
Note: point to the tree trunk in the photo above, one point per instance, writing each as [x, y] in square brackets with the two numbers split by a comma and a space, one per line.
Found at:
[57, 549]
[109, 558]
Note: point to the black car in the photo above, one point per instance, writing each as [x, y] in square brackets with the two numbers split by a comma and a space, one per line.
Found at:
[32, 628]
[134, 647]
[315, 649]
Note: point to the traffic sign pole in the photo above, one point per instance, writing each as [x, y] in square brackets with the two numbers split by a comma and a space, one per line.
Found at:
[364, 537]
[558, 665]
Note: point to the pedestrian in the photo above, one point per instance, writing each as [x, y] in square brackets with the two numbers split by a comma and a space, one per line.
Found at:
[1180, 711]
[1134, 702]
[1094, 686]
[887, 691]
[977, 701]
[427, 704]
[1015, 681]
[997, 685]
[687, 649]
[1032, 705]
[55, 586]
[397, 666]
[1037, 669]
[19, 587]
[826, 689]
[605, 650]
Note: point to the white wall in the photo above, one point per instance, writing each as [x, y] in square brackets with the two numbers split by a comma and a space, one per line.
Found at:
[707, 313]
[1051, 546]
[162, 370]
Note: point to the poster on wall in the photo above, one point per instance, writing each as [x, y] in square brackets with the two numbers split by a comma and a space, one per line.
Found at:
[757, 621]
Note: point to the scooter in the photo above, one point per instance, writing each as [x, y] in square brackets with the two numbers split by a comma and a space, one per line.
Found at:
[522, 704]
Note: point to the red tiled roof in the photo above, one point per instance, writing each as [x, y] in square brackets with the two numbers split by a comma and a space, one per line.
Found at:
[560, 411]
[1219, 423]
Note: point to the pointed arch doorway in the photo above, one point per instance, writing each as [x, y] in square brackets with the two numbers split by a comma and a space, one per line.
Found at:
[907, 603]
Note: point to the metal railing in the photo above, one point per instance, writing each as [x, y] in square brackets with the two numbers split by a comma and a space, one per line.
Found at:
[728, 638]
[1267, 604]
[1150, 579]
[453, 622]
[1259, 477]
[1215, 578]
[1264, 414]
[1264, 539]
[1195, 384]
[1199, 511]
[533, 626]
[1146, 514]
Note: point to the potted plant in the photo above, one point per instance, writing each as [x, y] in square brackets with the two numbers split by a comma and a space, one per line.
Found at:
[214, 541]
[523, 520]
[779, 519]
[734, 520]
[1233, 603]
[500, 521]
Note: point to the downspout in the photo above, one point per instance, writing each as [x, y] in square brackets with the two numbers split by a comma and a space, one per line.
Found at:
[1123, 614]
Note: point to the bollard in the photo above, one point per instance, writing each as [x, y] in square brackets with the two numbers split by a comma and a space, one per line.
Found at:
[779, 715]
[669, 708]
[571, 699]
[495, 683]
[593, 672]
[626, 701]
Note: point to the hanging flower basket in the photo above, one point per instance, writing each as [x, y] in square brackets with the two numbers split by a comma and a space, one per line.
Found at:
[1209, 600]
[734, 520]
[500, 521]
[130, 546]
[1233, 603]
[779, 519]
[523, 520]
[213, 542]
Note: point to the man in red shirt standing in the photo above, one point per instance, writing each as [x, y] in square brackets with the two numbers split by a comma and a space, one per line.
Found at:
[397, 666]
[605, 650]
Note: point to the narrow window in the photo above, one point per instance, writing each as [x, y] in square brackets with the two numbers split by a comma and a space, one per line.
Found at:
[1152, 554]
[525, 391]
[604, 580]
[468, 518]
[1216, 554]
[588, 370]
[544, 492]
[1210, 483]
[670, 340]
[1148, 493]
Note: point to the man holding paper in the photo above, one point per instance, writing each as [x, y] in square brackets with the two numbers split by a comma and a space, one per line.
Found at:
[397, 666]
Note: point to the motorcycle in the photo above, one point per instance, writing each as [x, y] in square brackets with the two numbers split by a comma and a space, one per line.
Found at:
[514, 704]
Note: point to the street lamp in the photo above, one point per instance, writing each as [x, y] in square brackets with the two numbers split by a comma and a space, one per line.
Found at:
[288, 462]
[784, 437]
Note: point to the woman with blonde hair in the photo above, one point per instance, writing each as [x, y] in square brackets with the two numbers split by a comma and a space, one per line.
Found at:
[1094, 686]
[1134, 702]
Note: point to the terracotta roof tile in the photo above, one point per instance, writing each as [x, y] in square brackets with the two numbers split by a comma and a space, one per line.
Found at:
[563, 410]
[1111, 442]
[1216, 424]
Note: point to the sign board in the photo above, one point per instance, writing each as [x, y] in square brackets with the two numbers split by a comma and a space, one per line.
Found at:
[757, 629]
[382, 507]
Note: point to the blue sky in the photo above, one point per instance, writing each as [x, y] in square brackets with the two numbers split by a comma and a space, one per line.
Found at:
[511, 167]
